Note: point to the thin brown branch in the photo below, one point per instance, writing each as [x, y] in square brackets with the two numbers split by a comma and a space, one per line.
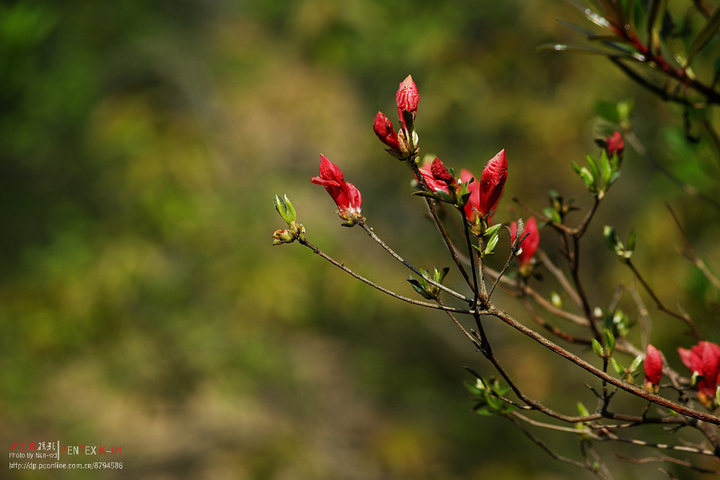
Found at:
[659, 304]
[632, 389]
[689, 253]
[342, 267]
[559, 276]
[394, 254]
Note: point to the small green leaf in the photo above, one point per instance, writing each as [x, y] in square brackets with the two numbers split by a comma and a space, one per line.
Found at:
[611, 237]
[597, 348]
[617, 366]
[493, 229]
[594, 169]
[606, 168]
[285, 208]
[439, 275]
[492, 243]
[582, 410]
[636, 363]
[556, 300]
[632, 238]
[609, 341]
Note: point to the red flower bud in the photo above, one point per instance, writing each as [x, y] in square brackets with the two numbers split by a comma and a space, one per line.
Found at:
[434, 182]
[346, 196]
[407, 98]
[530, 243]
[704, 358]
[653, 365]
[473, 203]
[614, 144]
[492, 182]
[441, 173]
[384, 130]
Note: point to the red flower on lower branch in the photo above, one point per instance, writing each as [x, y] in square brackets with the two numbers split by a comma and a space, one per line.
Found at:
[704, 359]
[530, 243]
[485, 194]
[347, 198]
[652, 365]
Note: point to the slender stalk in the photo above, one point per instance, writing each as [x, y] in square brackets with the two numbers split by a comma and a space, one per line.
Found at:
[659, 304]
[387, 248]
[633, 389]
[342, 267]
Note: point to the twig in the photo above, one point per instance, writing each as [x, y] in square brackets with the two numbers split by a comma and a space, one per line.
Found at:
[658, 303]
[387, 248]
[689, 253]
[378, 287]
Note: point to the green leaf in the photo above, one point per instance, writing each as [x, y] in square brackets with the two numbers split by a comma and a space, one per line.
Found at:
[492, 243]
[609, 341]
[556, 300]
[493, 230]
[594, 168]
[439, 275]
[597, 348]
[632, 238]
[582, 410]
[706, 34]
[617, 366]
[285, 208]
[611, 237]
[606, 168]
[636, 363]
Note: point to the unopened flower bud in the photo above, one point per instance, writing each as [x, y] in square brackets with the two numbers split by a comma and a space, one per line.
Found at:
[614, 144]
[283, 236]
[407, 99]
[653, 365]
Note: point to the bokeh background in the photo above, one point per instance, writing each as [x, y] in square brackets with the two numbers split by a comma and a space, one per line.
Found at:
[143, 305]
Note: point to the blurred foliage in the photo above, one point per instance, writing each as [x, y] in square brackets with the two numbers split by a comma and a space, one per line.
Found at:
[141, 302]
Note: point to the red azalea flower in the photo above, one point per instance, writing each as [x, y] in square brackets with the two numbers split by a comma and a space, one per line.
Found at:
[530, 243]
[653, 367]
[473, 204]
[704, 358]
[346, 196]
[436, 183]
[384, 130]
[407, 98]
[492, 182]
[614, 144]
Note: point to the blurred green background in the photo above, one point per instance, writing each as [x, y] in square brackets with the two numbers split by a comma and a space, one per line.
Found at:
[141, 301]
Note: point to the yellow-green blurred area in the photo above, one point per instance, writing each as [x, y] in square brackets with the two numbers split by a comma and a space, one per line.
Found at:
[143, 305]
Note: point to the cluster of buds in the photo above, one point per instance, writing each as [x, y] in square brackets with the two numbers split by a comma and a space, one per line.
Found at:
[295, 230]
[403, 143]
[703, 360]
[345, 195]
[477, 199]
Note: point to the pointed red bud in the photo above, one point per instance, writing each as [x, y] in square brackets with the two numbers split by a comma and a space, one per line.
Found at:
[653, 365]
[384, 130]
[347, 198]
[531, 242]
[435, 184]
[614, 144]
[441, 173]
[704, 358]
[492, 182]
[407, 98]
